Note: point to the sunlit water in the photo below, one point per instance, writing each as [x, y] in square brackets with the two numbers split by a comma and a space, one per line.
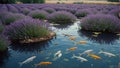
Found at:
[45, 51]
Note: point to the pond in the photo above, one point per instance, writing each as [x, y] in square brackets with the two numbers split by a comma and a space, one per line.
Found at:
[45, 51]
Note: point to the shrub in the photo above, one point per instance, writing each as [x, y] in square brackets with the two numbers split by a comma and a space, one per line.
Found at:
[61, 17]
[82, 13]
[10, 18]
[101, 22]
[25, 11]
[27, 28]
[49, 10]
[38, 14]
[3, 44]
[1, 27]
[12, 8]
[115, 12]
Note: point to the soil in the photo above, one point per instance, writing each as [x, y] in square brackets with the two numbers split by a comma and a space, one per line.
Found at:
[34, 40]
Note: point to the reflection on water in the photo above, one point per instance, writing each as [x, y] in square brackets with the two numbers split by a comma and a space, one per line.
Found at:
[4, 56]
[103, 38]
[32, 47]
[65, 48]
[63, 26]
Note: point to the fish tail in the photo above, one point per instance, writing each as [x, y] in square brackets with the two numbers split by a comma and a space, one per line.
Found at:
[36, 65]
[100, 51]
[81, 54]
[20, 64]
[73, 56]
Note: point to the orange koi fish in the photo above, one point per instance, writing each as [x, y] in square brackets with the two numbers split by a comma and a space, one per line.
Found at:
[72, 38]
[81, 42]
[72, 48]
[43, 63]
[94, 56]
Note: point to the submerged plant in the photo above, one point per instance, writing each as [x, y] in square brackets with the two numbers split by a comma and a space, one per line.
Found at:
[101, 22]
[3, 44]
[38, 14]
[27, 28]
[61, 17]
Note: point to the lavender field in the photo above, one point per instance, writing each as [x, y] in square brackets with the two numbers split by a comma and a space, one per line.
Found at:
[87, 36]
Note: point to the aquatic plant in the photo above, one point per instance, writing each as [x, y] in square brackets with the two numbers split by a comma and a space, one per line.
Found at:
[49, 10]
[38, 14]
[82, 13]
[10, 18]
[3, 44]
[61, 17]
[101, 22]
[27, 28]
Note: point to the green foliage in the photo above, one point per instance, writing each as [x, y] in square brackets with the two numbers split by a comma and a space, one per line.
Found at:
[113, 0]
[3, 45]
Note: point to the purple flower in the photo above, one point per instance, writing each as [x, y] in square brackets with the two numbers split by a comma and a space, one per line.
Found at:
[61, 17]
[38, 14]
[101, 22]
[27, 28]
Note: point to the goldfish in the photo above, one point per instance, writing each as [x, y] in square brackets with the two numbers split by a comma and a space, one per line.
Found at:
[27, 60]
[107, 53]
[43, 63]
[94, 56]
[72, 48]
[79, 58]
[81, 42]
[72, 38]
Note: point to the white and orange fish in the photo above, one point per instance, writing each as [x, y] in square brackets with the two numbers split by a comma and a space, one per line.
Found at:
[67, 35]
[107, 53]
[27, 60]
[87, 51]
[43, 63]
[79, 58]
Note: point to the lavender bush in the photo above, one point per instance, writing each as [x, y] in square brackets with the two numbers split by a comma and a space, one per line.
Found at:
[38, 14]
[49, 10]
[1, 27]
[27, 28]
[82, 13]
[10, 18]
[115, 12]
[3, 44]
[25, 11]
[61, 17]
[101, 22]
